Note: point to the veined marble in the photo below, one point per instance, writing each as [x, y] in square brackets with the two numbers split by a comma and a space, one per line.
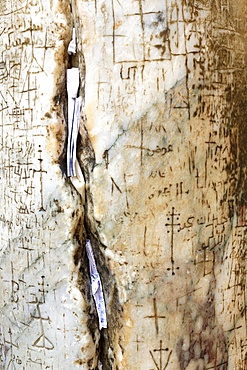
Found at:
[162, 149]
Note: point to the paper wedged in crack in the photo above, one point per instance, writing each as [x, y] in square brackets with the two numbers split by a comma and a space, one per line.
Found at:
[164, 158]
[43, 311]
[164, 188]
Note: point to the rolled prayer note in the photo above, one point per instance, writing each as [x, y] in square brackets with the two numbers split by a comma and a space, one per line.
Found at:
[96, 287]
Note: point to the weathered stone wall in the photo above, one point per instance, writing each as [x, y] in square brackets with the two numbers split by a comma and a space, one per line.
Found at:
[162, 148]
[43, 312]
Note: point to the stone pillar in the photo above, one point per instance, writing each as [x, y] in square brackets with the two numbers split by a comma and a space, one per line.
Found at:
[162, 148]
[43, 310]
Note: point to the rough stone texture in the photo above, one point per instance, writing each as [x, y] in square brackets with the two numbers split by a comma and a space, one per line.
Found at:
[43, 312]
[163, 151]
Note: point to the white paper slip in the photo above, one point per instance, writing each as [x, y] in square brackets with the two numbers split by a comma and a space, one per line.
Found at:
[96, 287]
[73, 129]
[78, 181]
[72, 44]
[74, 105]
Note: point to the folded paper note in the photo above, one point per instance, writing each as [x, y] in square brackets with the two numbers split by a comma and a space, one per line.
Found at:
[78, 181]
[74, 105]
[72, 44]
[96, 287]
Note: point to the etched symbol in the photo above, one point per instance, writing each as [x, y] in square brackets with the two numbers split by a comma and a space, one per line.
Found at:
[42, 341]
[42, 289]
[36, 360]
[17, 114]
[41, 171]
[173, 219]
[115, 185]
[144, 241]
[138, 341]
[155, 316]
[14, 287]
[11, 364]
[158, 362]
[153, 43]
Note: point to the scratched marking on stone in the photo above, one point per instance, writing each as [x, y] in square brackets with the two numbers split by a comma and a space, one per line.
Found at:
[152, 46]
[138, 341]
[172, 225]
[11, 363]
[170, 86]
[159, 360]
[42, 341]
[178, 68]
[31, 281]
[155, 316]
[41, 171]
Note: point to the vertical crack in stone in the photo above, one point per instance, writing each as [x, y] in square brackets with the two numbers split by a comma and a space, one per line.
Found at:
[86, 225]
[108, 336]
[80, 231]
[168, 228]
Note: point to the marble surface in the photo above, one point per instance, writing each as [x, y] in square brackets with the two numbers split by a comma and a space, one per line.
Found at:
[162, 148]
[43, 313]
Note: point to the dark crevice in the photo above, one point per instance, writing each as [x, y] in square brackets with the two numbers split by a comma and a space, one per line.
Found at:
[63, 100]
[87, 228]
[109, 336]
[85, 156]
